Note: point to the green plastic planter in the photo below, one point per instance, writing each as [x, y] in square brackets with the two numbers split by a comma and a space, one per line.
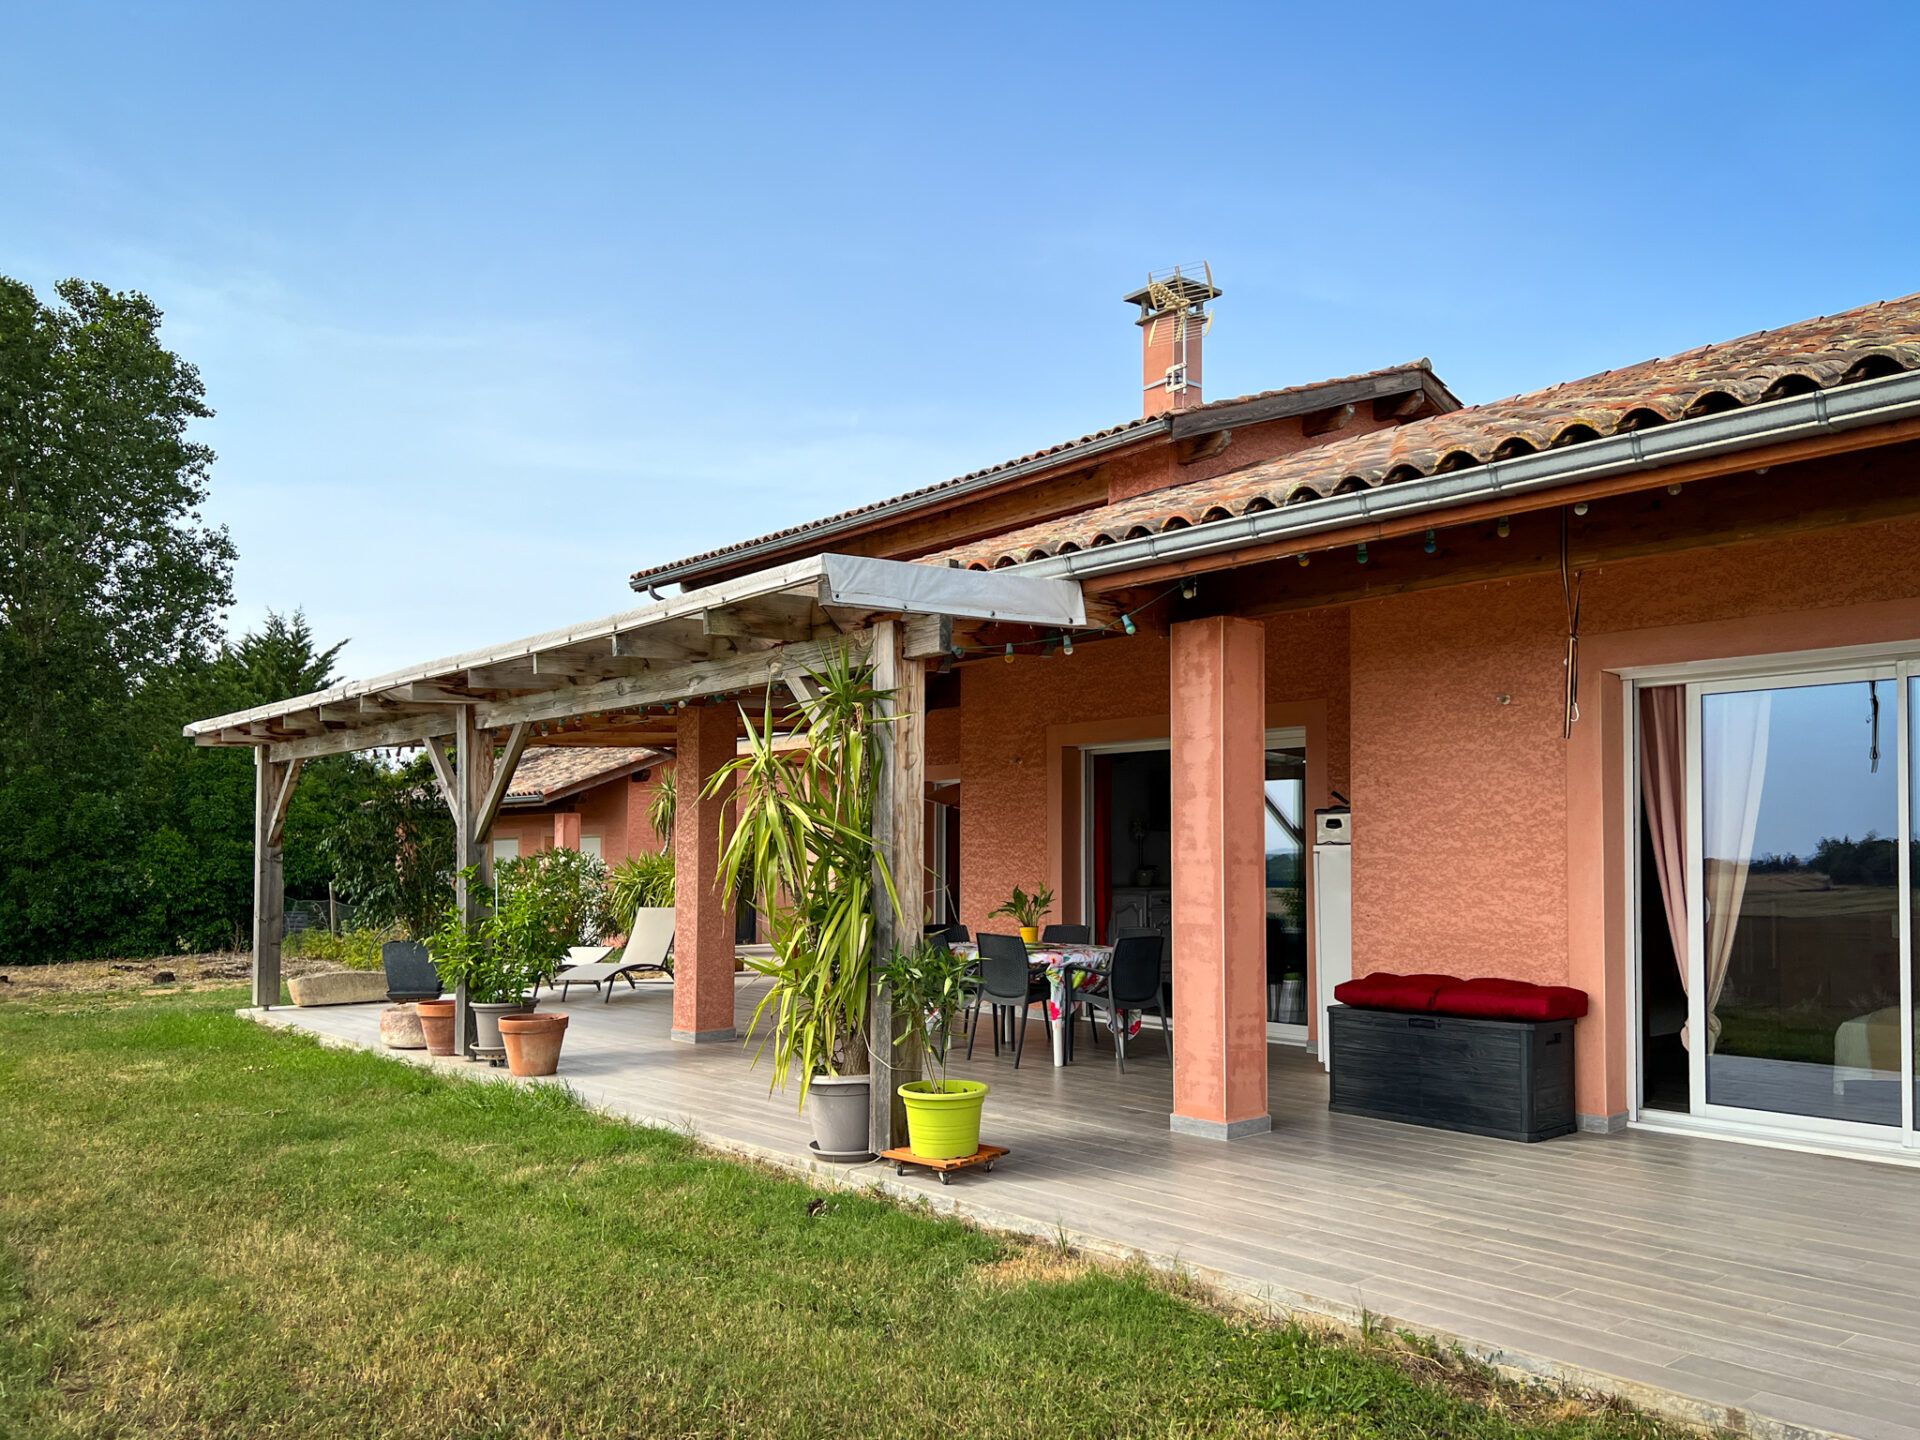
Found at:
[943, 1121]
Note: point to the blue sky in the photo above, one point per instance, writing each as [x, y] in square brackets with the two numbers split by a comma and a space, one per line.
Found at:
[498, 303]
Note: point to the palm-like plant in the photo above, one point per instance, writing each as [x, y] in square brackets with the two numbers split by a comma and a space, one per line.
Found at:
[803, 838]
[663, 807]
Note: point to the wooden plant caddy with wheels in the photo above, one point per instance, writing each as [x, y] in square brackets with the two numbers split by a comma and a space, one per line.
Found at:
[901, 1158]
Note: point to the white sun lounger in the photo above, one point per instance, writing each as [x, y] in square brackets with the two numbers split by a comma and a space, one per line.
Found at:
[646, 949]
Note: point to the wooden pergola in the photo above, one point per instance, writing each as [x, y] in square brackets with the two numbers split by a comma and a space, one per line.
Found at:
[649, 676]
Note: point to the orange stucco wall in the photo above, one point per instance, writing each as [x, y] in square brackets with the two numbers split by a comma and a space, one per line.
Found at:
[1485, 843]
[1019, 722]
[616, 812]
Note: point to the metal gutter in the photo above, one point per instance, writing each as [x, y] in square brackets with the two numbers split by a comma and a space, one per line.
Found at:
[1846, 407]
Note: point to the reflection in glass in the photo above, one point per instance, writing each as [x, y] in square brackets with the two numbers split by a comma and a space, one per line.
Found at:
[1801, 953]
[1286, 797]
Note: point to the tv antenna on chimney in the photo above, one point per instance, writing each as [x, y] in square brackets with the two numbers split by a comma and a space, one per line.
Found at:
[1178, 298]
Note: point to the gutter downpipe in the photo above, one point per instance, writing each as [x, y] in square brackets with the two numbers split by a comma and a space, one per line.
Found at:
[1847, 407]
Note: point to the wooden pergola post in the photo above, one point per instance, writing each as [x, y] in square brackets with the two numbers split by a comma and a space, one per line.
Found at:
[899, 825]
[273, 782]
[473, 786]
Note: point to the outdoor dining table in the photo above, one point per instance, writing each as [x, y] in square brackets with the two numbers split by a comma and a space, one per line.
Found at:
[1067, 968]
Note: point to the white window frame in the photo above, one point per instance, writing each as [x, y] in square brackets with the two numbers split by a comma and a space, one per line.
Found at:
[1852, 664]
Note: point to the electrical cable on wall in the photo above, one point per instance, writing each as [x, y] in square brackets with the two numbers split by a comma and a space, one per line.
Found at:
[1570, 592]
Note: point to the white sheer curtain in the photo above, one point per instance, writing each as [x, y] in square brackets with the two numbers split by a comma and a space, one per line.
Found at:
[1734, 727]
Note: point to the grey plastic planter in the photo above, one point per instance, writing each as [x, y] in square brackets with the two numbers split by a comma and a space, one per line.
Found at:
[487, 1044]
[837, 1109]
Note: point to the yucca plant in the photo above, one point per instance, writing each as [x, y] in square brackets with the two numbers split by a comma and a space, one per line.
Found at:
[803, 838]
[664, 807]
[643, 881]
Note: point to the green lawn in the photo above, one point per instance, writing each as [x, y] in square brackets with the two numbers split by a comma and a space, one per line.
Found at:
[212, 1229]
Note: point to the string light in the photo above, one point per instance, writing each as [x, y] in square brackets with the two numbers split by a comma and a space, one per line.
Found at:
[1673, 489]
[1187, 589]
[1066, 643]
[1431, 545]
[1363, 552]
[1009, 654]
[1126, 624]
[1504, 528]
[1581, 508]
[1304, 561]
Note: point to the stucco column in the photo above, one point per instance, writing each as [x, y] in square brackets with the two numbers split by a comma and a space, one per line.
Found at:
[566, 831]
[703, 918]
[1218, 713]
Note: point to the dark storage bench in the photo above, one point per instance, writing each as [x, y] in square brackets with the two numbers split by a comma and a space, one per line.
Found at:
[1512, 1079]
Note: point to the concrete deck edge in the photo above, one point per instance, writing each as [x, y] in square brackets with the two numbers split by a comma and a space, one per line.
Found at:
[1265, 1301]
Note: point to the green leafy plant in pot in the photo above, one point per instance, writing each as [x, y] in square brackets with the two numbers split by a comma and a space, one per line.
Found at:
[929, 986]
[502, 957]
[1027, 911]
[803, 841]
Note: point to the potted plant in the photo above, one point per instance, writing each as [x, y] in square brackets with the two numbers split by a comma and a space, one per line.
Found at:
[803, 840]
[929, 987]
[1027, 911]
[502, 957]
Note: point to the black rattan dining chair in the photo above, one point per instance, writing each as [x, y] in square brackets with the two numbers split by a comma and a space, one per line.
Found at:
[1067, 935]
[1008, 986]
[1133, 983]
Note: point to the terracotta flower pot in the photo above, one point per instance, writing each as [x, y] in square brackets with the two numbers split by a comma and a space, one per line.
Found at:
[533, 1042]
[436, 1023]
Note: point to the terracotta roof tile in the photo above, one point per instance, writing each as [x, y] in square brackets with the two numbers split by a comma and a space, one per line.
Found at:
[551, 771]
[1874, 340]
[1146, 425]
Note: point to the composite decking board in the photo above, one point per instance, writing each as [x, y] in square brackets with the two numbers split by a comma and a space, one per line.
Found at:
[1779, 1282]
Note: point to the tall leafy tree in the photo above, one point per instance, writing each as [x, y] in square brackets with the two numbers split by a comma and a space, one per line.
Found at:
[110, 582]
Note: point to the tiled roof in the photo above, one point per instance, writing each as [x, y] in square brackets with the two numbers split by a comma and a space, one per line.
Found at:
[929, 494]
[1874, 340]
[552, 771]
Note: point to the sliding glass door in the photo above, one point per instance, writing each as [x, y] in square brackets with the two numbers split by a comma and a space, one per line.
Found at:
[1799, 998]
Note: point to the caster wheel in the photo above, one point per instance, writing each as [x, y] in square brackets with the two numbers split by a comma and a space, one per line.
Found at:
[945, 1178]
[988, 1167]
[899, 1169]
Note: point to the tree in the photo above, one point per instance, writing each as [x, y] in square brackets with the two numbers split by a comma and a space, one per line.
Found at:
[392, 854]
[111, 585]
[192, 861]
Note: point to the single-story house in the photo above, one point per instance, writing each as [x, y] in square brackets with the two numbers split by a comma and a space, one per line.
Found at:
[1617, 677]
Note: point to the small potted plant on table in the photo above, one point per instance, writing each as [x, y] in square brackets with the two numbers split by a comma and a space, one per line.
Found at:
[928, 986]
[1027, 911]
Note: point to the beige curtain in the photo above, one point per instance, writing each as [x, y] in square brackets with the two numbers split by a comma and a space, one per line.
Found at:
[1663, 799]
[1734, 728]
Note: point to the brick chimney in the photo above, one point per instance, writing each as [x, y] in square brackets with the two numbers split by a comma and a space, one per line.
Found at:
[1173, 322]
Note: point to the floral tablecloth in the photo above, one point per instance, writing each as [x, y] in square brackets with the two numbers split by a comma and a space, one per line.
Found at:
[1078, 967]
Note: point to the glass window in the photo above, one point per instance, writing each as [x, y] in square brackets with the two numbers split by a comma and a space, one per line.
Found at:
[1799, 928]
[1286, 802]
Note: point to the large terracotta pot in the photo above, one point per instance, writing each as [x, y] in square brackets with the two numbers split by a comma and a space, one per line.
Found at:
[436, 1023]
[533, 1042]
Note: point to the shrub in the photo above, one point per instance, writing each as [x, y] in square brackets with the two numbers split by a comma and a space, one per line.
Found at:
[355, 949]
[640, 883]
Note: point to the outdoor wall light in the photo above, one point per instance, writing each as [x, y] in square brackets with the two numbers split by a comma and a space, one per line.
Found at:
[1187, 589]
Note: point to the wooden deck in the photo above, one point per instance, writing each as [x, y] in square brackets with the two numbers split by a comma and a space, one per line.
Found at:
[1776, 1291]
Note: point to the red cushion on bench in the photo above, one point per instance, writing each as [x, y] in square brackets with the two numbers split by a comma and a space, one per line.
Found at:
[1384, 990]
[1509, 1000]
